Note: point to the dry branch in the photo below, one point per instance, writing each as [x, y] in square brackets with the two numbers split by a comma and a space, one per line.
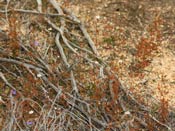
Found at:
[62, 86]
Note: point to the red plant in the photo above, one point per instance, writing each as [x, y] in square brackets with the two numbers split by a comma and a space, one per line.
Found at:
[163, 105]
[150, 124]
[13, 43]
[146, 47]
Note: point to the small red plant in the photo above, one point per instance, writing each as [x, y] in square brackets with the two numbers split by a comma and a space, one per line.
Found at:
[146, 48]
[13, 35]
[164, 112]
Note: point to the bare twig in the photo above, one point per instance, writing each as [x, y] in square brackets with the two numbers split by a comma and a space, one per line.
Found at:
[160, 123]
[73, 82]
[84, 31]
[63, 56]
[39, 2]
[28, 66]
[62, 35]
[5, 80]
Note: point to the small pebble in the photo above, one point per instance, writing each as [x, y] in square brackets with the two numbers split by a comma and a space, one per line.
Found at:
[31, 112]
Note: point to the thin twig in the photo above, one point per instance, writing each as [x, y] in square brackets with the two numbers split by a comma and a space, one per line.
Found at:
[84, 31]
[160, 123]
[39, 2]
[29, 66]
[5, 80]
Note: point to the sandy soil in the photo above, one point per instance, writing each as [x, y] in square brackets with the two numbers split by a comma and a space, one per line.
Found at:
[117, 27]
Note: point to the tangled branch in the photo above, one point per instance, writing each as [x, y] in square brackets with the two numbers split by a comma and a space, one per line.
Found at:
[57, 80]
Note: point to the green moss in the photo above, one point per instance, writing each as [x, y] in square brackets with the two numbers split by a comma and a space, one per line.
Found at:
[90, 87]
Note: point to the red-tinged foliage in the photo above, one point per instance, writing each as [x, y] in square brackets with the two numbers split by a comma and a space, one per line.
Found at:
[62, 101]
[115, 87]
[98, 94]
[154, 29]
[13, 35]
[150, 124]
[110, 125]
[146, 48]
[164, 106]
[102, 99]
[164, 110]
